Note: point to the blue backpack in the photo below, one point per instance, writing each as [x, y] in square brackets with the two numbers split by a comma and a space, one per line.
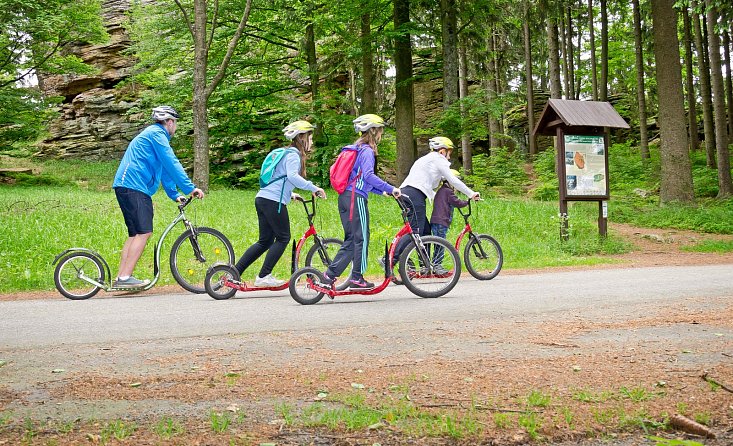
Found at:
[267, 171]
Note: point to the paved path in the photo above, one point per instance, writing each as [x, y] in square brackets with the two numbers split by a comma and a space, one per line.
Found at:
[46, 323]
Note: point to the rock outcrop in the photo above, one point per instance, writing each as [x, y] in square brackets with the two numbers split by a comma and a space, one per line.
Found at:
[94, 121]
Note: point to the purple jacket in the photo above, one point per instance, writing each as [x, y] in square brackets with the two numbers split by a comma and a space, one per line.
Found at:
[368, 181]
[445, 201]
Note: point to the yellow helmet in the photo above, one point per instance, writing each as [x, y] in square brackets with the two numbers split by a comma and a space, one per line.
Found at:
[296, 128]
[440, 142]
[456, 173]
[365, 122]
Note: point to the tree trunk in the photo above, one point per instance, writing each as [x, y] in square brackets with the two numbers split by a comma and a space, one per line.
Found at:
[690, 83]
[528, 80]
[450, 52]
[578, 58]
[640, 89]
[603, 96]
[491, 93]
[200, 99]
[466, 149]
[571, 54]
[201, 90]
[593, 69]
[368, 99]
[725, 185]
[563, 46]
[676, 174]
[554, 58]
[704, 73]
[499, 81]
[729, 82]
[313, 75]
[404, 103]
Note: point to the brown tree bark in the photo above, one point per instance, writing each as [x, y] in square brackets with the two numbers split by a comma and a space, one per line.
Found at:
[563, 45]
[491, 93]
[554, 59]
[704, 73]
[676, 175]
[404, 102]
[571, 54]
[640, 89]
[368, 100]
[725, 185]
[466, 149]
[528, 80]
[201, 90]
[690, 83]
[449, 25]
[728, 82]
[593, 68]
[603, 94]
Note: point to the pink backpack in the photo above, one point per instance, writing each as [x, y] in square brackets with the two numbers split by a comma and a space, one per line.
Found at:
[342, 167]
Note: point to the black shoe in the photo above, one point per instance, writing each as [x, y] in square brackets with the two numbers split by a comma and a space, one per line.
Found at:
[360, 284]
[328, 280]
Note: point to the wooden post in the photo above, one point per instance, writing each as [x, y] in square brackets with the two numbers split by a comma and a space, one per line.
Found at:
[603, 218]
[564, 220]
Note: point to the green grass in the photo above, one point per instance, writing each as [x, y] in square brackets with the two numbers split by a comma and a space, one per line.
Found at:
[719, 246]
[74, 206]
[40, 222]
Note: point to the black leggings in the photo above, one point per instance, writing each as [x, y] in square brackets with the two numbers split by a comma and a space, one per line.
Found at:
[274, 236]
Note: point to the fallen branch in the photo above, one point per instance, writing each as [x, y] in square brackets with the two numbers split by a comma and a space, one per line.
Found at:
[685, 424]
[714, 382]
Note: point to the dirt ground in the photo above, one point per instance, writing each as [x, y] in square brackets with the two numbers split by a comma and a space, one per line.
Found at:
[571, 382]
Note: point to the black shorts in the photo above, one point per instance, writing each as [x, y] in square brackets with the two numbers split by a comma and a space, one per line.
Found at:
[137, 208]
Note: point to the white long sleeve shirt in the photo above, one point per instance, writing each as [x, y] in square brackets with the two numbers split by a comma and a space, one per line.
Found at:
[427, 173]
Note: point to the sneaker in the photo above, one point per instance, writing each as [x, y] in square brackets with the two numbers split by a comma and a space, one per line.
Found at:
[360, 284]
[328, 280]
[268, 281]
[130, 282]
[439, 270]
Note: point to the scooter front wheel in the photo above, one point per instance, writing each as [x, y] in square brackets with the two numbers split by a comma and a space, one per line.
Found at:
[72, 269]
[214, 282]
[301, 286]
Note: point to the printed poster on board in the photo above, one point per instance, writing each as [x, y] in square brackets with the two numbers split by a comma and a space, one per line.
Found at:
[585, 165]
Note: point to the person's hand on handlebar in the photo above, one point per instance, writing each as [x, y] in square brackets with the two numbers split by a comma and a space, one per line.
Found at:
[197, 193]
[476, 197]
[396, 192]
[320, 193]
[297, 197]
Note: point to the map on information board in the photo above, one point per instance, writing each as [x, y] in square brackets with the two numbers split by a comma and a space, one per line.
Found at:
[585, 165]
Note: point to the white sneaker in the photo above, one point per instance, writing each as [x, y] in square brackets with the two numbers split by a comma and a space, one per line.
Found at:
[268, 281]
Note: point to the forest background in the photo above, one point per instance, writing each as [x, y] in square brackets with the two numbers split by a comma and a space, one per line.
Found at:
[240, 70]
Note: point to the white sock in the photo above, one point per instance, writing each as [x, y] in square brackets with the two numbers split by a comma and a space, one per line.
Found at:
[123, 277]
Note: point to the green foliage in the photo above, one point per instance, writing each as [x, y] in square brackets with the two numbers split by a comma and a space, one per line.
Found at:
[33, 36]
[659, 441]
[547, 182]
[118, 430]
[502, 172]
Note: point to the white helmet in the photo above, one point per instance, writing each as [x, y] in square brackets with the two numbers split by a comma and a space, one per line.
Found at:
[365, 122]
[440, 142]
[163, 113]
[296, 128]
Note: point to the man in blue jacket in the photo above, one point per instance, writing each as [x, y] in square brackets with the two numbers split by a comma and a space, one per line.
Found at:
[148, 161]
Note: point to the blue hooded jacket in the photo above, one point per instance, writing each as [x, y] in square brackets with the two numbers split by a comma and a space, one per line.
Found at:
[148, 161]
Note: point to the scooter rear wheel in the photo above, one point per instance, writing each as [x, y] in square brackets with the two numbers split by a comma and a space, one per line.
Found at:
[70, 271]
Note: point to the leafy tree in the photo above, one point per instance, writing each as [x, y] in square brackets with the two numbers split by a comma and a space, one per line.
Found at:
[37, 36]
